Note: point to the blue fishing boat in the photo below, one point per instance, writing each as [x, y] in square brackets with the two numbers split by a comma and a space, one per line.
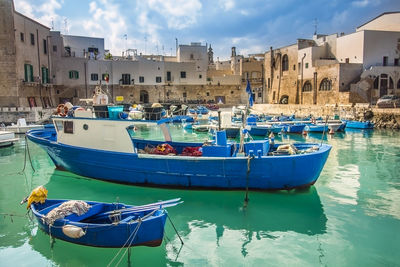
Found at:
[316, 128]
[108, 150]
[294, 128]
[359, 124]
[100, 224]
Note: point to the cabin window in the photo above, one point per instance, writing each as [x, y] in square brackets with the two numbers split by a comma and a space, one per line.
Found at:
[59, 126]
[69, 127]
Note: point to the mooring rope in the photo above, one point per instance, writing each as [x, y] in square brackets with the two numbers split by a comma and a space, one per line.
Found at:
[246, 199]
[126, 242]
[29, 155]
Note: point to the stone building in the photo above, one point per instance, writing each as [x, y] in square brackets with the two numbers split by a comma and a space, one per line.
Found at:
[25, 60]
[337, 69]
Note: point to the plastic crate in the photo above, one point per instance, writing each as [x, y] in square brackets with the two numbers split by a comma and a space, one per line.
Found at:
[113, 111]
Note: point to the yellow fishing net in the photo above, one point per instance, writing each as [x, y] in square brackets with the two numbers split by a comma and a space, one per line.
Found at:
[39, 194]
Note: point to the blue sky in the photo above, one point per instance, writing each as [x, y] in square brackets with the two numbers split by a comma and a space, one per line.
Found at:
[252, 26]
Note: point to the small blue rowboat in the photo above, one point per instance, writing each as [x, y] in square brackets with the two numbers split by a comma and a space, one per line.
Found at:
[103, 224]
[294, 128]
[316, 128]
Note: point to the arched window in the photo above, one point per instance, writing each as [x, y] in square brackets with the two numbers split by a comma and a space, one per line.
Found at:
[307, 87]
[285, 63]
[326, 85]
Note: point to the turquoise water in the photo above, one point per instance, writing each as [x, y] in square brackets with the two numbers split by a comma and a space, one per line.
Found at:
[350, 217]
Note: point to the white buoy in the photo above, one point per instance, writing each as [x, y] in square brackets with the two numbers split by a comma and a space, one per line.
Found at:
[73, 231]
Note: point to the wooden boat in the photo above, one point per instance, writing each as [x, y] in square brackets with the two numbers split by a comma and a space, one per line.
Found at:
[7, 138]
[101, 224]
[106, 150]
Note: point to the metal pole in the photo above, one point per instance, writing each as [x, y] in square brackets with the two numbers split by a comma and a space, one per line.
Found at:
[219, 120]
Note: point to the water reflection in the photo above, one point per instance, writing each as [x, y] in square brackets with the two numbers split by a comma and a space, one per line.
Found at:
[205, 219]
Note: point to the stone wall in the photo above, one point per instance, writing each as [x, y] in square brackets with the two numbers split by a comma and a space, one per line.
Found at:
[8, 77]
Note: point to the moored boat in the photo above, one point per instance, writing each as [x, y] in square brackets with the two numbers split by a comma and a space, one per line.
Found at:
[105, 151]
[7, 138]
[101, 224]
[359, 124]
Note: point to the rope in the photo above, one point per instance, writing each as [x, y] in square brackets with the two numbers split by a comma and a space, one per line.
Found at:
[133, 238]
[29, 155]
[174, 228]
[323, 132]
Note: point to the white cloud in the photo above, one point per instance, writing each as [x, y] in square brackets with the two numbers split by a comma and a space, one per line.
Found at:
[44, 13]
[108, 22]
[227, 4]
[361, 3]
[179, 14]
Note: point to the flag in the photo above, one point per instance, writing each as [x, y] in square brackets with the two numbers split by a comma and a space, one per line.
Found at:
[248, 91]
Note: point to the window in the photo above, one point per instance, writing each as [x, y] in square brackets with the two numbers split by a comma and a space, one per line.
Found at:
[28, 68]
[191, 56]
[184, 94]
[259, 94]
[307, 87]
[347, 60]
[168, 76]
[269, 82]
[126, 78]
[183, 74]
[200, 76]
[326, 85]
[94, 77]
[158, 79]
[208, 93]
[44, 46]
[105, 77]
[391, 84]
[73, 74]
[294, 66]
[396, 62]
[22, 36]
[398, 84]
[54, 48]
[32, 39]
[273, 95]
[141, 79]
[385, 61]
[306, 65]
[285, 63]
[69, 127]
[45, 75]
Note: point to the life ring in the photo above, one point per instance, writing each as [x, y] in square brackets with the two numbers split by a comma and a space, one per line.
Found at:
[62, 110]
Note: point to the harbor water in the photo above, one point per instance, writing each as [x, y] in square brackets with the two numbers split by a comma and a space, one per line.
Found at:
[350, 217]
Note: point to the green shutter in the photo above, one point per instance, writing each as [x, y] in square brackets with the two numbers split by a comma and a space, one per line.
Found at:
[77, 75]
[31, 73]
[70, 74]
